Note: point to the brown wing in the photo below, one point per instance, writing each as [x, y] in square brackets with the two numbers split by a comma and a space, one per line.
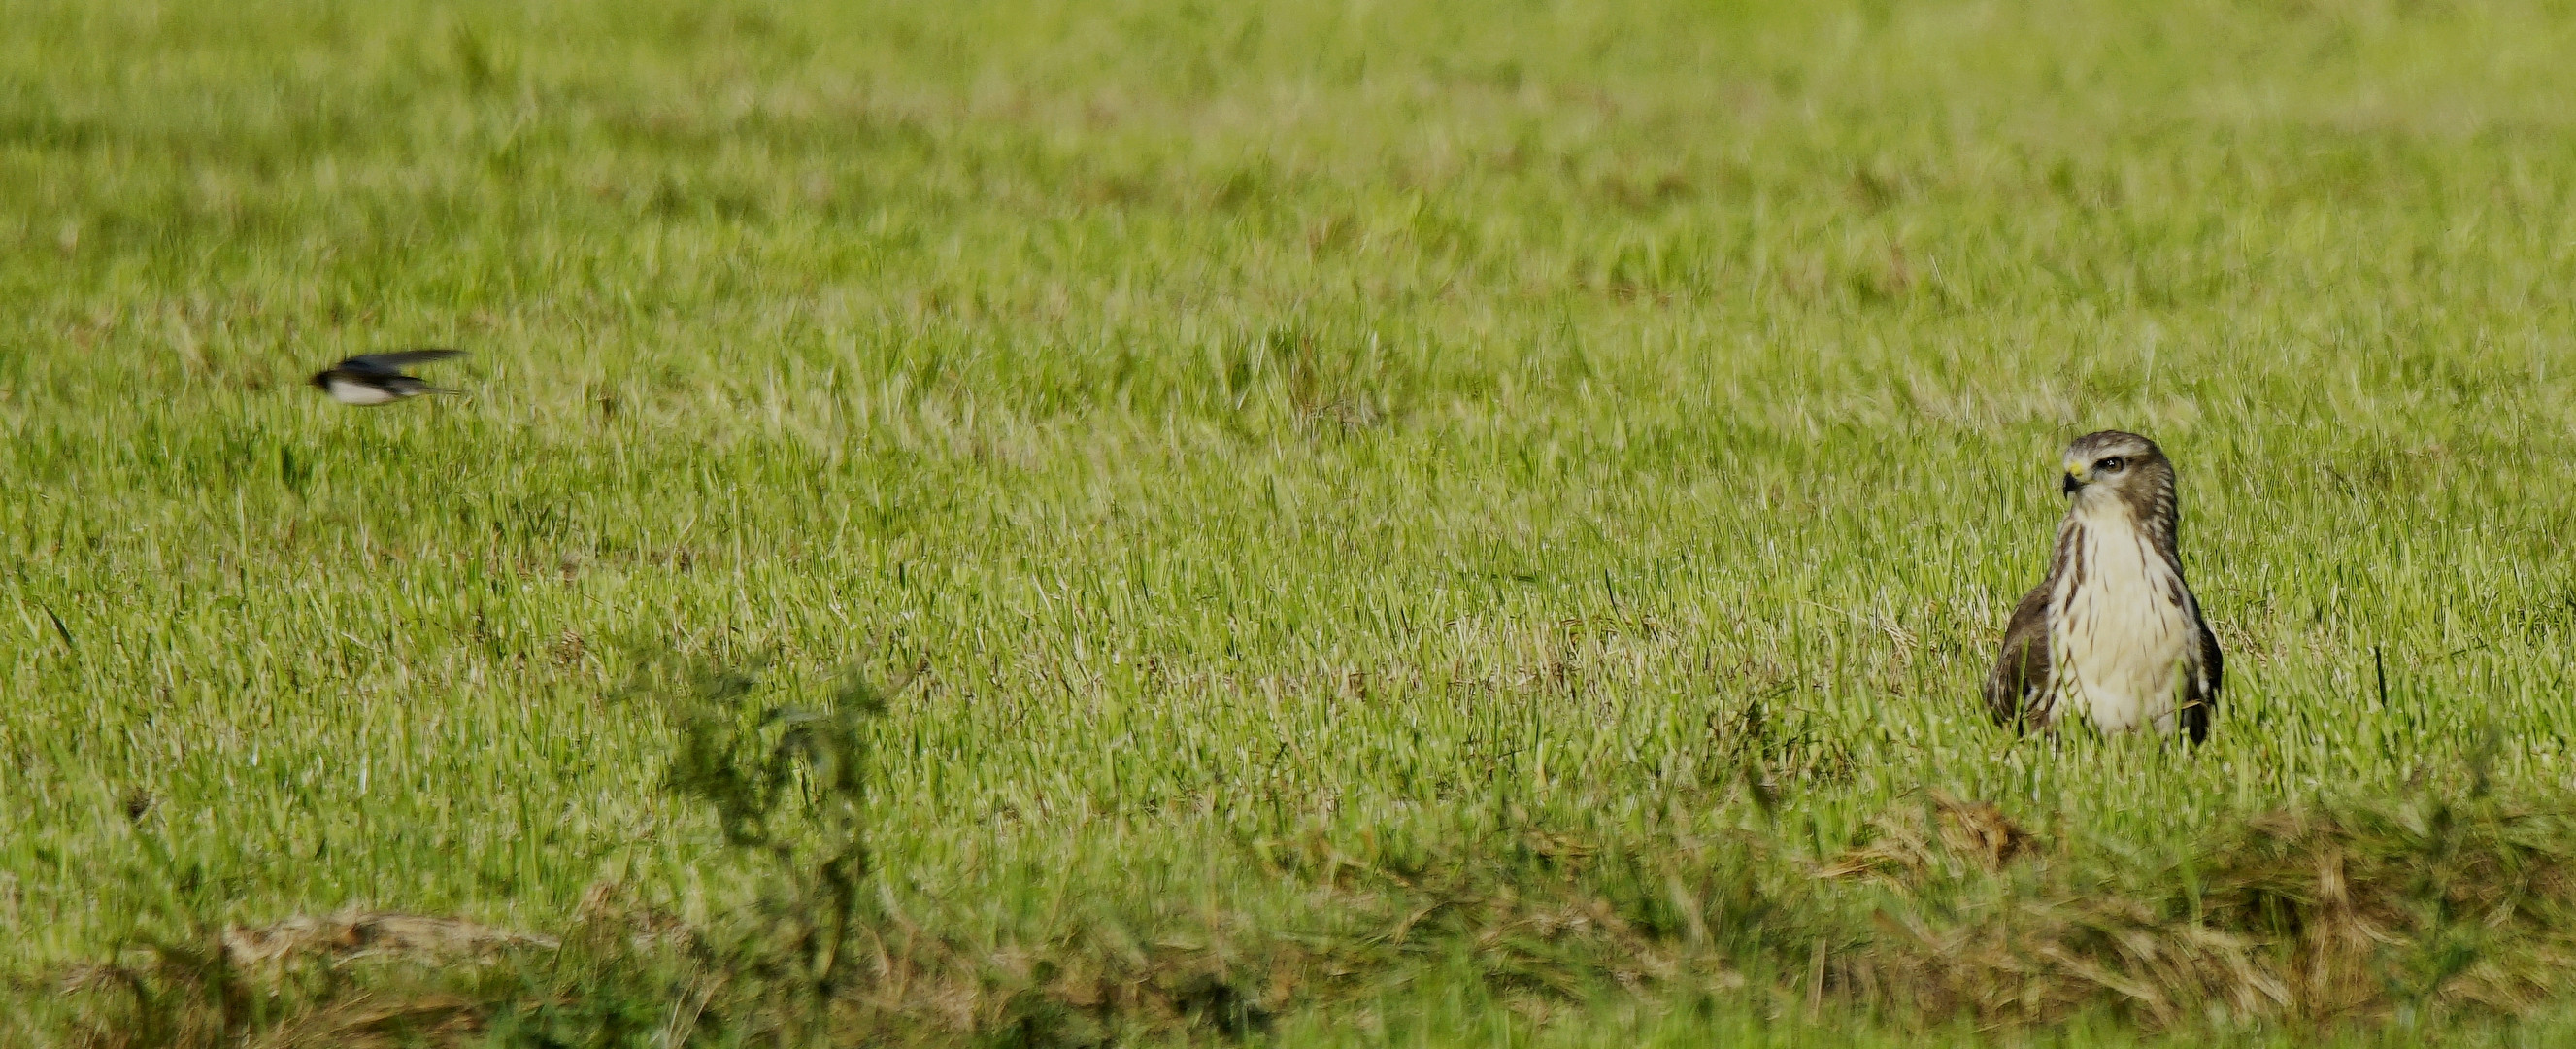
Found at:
[2021, 672]
[2200, 694]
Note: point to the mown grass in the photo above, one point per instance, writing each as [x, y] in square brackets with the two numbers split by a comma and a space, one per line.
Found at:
[1428, 524]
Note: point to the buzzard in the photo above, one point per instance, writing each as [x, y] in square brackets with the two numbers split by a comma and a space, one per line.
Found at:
[2113, 636]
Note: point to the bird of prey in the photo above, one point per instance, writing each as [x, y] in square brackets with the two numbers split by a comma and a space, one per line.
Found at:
[2113, 636]
[377, 378]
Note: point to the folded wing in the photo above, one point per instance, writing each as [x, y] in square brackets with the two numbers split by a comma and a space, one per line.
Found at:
[2021, 671]
[2200, 694]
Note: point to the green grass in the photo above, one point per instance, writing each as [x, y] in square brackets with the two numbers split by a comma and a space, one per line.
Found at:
[1275, 432]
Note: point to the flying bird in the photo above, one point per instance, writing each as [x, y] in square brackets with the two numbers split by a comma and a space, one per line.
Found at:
[377, 378]
[2113, 636]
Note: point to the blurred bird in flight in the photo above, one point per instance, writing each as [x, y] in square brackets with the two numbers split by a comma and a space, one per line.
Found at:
[377, 378]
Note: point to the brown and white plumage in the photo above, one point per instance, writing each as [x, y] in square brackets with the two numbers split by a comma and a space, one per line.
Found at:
[2113, 636]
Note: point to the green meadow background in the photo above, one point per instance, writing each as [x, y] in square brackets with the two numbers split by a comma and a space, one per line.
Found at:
[1248, 430]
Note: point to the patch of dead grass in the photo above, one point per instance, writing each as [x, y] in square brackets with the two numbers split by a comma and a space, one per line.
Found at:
[2436, 904]
[356, 933]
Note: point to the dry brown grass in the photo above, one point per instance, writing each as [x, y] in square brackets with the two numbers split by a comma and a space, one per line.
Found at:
[1978, 833]
[357, 933]
[2311, 916]
[2441, 903]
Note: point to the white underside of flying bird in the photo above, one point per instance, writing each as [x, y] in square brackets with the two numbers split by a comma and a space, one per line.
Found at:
[346, 392]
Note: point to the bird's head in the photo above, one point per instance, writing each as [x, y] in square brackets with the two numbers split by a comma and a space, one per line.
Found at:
[2113, 466]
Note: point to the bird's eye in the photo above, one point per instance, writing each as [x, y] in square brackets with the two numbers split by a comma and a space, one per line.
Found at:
[2111, 465]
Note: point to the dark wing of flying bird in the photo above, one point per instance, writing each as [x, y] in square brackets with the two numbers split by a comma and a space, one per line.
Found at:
[387, 365]
[2021, 672]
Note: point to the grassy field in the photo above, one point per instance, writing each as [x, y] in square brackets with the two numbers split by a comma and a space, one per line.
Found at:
[1376, 523]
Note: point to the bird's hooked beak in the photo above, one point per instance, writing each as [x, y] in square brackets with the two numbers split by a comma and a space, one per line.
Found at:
[2074, 478]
